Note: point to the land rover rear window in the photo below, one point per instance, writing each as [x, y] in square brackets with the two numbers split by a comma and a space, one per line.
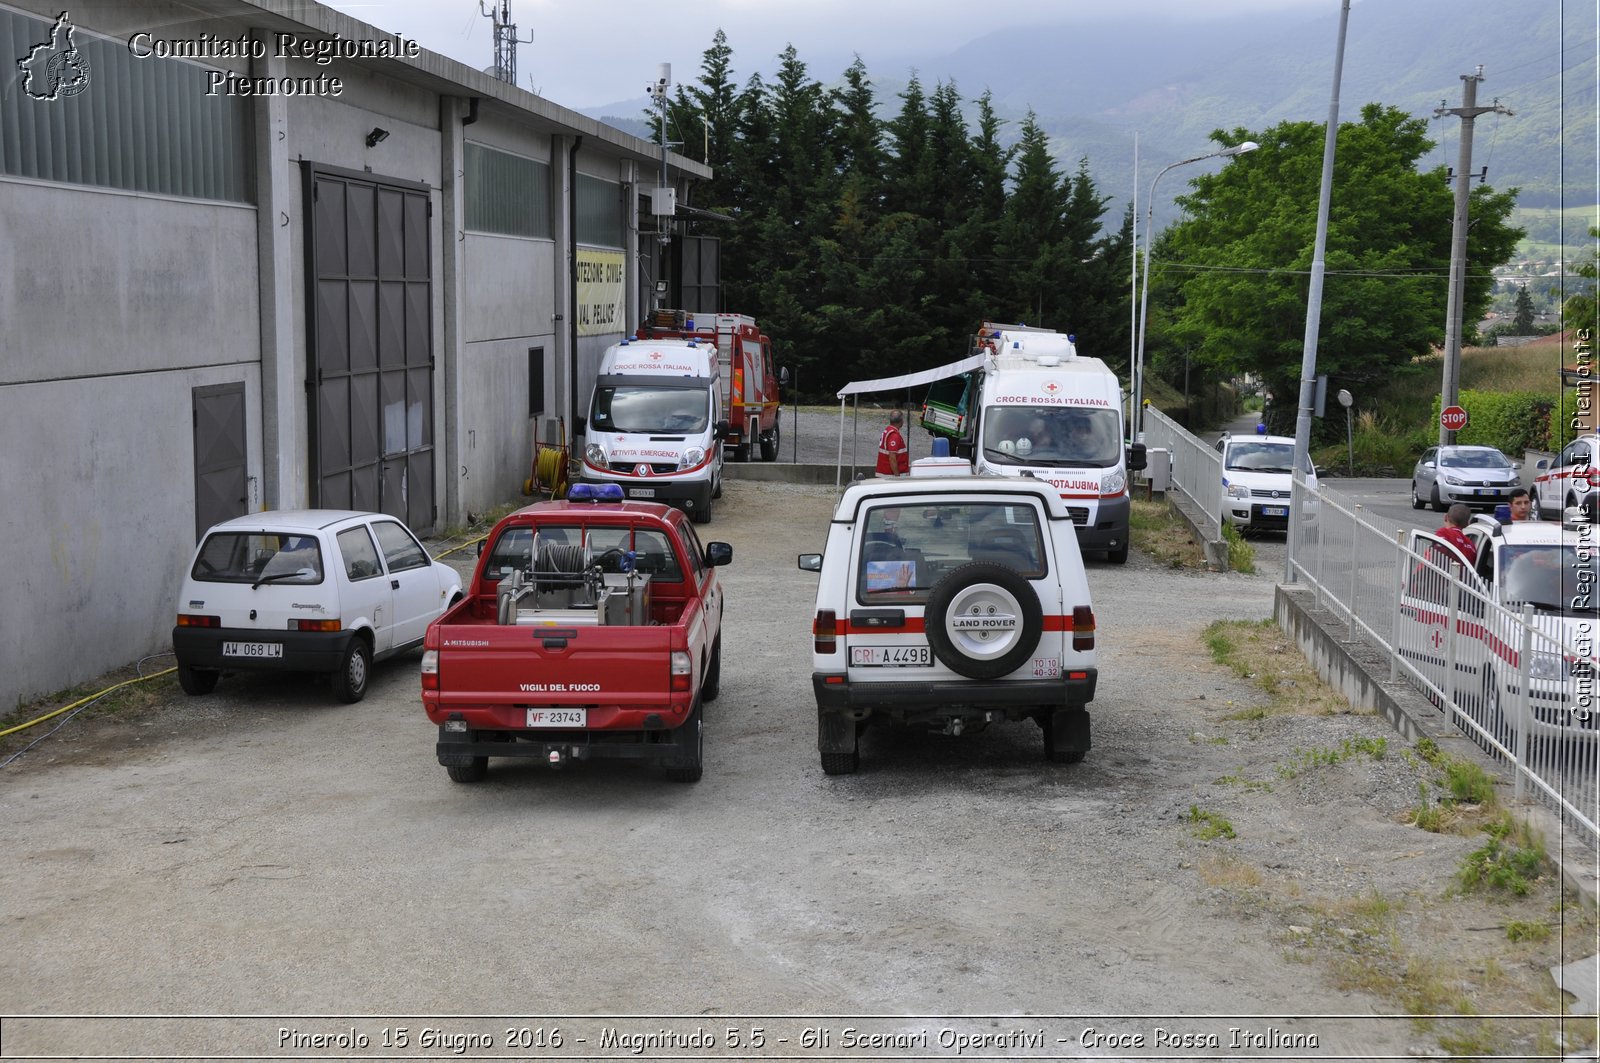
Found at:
[905, 550]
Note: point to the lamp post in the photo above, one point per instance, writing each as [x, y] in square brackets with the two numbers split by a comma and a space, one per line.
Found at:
[1144, 295]
[1346, 400]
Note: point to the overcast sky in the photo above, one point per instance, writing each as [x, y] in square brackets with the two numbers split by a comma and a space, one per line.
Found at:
[589, 52]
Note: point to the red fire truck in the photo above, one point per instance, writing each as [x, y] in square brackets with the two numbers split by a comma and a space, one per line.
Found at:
[749, 379]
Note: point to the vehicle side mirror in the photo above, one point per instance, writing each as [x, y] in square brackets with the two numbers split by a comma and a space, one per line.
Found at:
[580, 426]
[480, 547]
[783, 376]
[1136, 457]
[810, 562]
[1542, 464]
[718, 553]
[1319, 470]
[722, 429]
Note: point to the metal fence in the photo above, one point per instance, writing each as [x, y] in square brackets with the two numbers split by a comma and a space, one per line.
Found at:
[1522, 685]
[1196, 467]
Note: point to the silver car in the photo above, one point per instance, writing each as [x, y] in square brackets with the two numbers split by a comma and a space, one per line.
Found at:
[1478, 476]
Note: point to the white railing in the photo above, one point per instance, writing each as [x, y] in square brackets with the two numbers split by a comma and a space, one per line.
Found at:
[1196, 467]
[1520, 686]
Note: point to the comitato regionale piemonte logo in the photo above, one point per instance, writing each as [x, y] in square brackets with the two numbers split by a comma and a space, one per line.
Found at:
[54, 68]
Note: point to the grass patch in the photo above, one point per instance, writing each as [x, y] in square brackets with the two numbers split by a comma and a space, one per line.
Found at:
[1164, 536]
[144, 690]
[1466, 792]
[1208, 826]
[1259, 651]
[1305, 760]
[1511, 861]
[1527, 930]
[1241, 555]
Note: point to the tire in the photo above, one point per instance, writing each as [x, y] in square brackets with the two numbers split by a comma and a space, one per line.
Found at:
[983, 588]
[1438, 503]
[474, 769]
[841, 763]
[700, 514]
[1119, 555]
[1494, 718]
[711, 686]
[196, 682]
[769, 443]
[1416, 499]
[1535, 510]
[350, 681]
[689, 749]
[741, 452]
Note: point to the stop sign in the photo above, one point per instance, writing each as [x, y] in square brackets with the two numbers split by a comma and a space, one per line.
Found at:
[1452, 418]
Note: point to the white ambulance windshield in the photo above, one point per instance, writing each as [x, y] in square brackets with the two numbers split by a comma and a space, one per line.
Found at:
[1052, 437]
[678, 411]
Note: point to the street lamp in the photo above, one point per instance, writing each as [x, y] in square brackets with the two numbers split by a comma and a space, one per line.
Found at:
[1144, 295]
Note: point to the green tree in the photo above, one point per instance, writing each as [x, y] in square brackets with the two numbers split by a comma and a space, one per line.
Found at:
[1581, 310]
[1235, 274]
[1522, 321]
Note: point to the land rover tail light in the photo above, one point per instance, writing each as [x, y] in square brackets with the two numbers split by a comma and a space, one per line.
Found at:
[430, 670]
[1082, 627]
[824, 632]
[680, 670]
[195, 620]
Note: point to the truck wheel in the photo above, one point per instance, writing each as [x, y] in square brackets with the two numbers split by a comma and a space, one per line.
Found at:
[840, 763]
[1119, 555]
[350, 681]
[838, 740]
[711, 686]
[769, 444]
[472, 769]
[701, 514]
[688, 746]
[196, 681]
[1066, 734]
[741, 452]
[989, 592]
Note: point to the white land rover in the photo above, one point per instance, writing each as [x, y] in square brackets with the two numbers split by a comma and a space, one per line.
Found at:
[953, 601]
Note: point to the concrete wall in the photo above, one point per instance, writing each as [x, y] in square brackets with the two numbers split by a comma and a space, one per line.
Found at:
[116, 306]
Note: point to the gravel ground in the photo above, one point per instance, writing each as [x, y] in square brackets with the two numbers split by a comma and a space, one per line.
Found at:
[266, 851]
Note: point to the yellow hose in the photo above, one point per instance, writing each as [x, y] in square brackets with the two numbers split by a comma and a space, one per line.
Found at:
[83, 701]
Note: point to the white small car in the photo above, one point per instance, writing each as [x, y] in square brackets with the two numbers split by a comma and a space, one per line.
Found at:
[951, 601]
[1257, 480]
[315, 590]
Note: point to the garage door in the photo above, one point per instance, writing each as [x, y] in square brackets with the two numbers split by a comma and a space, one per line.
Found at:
[371, 356]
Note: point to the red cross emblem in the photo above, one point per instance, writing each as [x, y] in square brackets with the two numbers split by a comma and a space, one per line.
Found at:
[1437, 638]
[1052, 387]
[656, 355]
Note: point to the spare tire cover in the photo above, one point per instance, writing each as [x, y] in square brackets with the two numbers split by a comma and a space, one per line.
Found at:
[983, 620]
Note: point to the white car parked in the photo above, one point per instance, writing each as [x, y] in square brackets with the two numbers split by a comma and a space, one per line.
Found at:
[951, 601]
[1257, 480]
[314, 590]
[1573, 479]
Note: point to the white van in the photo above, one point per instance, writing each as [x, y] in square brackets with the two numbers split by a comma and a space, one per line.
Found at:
[656, 424]
[1047, 412]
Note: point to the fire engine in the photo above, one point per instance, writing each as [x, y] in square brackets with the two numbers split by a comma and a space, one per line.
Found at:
[749, 380]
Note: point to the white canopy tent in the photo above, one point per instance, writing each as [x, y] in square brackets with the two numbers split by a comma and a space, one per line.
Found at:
[894, 383]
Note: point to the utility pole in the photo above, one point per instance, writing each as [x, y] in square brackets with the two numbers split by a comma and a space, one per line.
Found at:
[1450, 390]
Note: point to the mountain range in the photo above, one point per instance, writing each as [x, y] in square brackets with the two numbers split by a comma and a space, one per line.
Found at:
[1094, 85]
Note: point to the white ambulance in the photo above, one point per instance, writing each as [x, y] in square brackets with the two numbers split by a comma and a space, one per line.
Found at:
[1048, 412]
[656, 424]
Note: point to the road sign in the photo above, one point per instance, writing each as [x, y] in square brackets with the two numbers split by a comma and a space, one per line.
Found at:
[1452, 418]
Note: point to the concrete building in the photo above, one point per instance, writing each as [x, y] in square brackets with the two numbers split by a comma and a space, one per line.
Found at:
[260, 255]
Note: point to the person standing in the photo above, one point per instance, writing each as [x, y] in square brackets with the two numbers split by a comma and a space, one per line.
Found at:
[1455, 521]
[893, 457]
[1521, 505]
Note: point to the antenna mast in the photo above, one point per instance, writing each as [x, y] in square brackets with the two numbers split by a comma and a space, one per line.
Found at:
[505, 40]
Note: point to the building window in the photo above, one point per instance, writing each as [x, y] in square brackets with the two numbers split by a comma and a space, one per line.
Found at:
[140, 124]
[535, 381]
[506, 193]
[600, 220]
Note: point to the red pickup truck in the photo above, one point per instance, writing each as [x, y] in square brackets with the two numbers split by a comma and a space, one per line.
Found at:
[592, 629]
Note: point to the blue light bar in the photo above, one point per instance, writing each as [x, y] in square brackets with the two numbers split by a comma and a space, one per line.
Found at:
[608, 492]
[580, 493]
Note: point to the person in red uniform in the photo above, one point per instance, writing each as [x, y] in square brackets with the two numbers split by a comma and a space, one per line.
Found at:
[1455, 520]
[893, 458]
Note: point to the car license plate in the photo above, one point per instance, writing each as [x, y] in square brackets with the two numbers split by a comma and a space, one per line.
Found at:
[252, 649]
[890, 656]
[558, 718]
[1482, 491]
[641, 492]
[1274, 511]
